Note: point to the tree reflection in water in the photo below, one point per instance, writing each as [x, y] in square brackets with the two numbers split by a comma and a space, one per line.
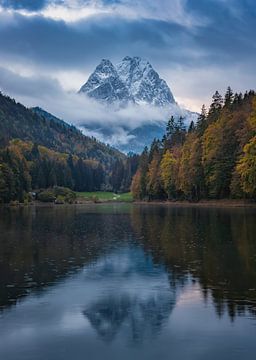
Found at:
[217, 247]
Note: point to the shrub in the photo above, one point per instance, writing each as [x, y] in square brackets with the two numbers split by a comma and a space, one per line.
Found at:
[28, 197]
[59, 195]
[60, 200]
[67, 195]
[46, 196]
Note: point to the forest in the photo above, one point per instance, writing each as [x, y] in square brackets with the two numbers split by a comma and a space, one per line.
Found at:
[42, 128]
[212, 159]
[25, 166]
[39, 151]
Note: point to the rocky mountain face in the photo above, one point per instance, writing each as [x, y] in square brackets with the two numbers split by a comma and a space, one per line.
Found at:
[105, 85]
[133, 80]
[143, 82]
[131, 87]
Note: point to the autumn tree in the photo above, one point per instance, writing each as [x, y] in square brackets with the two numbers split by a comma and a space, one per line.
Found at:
[167, 166]
[190, 176]
[247, 168]
[154, 185]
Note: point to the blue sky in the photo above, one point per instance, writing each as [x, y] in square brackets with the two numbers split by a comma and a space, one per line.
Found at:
[198, 46]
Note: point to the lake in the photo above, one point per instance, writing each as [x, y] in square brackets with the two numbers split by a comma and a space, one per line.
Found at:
[126, 282]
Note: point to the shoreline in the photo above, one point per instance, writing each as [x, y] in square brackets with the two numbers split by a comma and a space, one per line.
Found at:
[53, 205]
[203, 203]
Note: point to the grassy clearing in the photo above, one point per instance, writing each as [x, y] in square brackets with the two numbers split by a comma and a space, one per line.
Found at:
[105, 196]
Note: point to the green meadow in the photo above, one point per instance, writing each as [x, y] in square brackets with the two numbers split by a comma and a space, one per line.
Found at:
[105, 196]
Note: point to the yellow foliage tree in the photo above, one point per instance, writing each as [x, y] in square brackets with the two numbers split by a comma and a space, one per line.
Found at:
[154, 186]
[167, 167]
[135, 187]
[190, 177]
[246, 168]
[252, 117]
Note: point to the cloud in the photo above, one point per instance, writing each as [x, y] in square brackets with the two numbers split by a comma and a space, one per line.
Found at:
[28, 88]
[31, 5]
[196, 45]
[119, 137]
[49, 43]
[105, 123]
[175, 11]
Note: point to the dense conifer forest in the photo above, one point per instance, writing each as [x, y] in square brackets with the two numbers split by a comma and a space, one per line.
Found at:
[39, 153]
[19, 122]
[212, 159]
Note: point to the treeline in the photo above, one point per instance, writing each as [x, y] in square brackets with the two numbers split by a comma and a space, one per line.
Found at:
[38, 126]
[212, 159]
[50, 152]
[25, 166]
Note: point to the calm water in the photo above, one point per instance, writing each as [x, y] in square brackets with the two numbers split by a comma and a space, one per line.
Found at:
[127, 282]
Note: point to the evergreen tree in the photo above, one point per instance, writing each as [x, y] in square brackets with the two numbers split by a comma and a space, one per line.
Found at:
[191, 127]
[171, 127]
[201, 122]
[215, 107]
[229, 97]
[205, 163]
[143, 168]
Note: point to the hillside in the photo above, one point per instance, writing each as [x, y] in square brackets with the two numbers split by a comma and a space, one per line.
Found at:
[16, 121]
[39, 151]
[214, 159]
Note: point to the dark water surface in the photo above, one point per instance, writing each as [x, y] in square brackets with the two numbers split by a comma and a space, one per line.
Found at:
[127, 282]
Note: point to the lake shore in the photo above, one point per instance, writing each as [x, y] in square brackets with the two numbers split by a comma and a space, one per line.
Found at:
[202, 203]
[228, 203]
[52, 204]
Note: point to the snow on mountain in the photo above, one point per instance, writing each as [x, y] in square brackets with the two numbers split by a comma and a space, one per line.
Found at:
[134, 93]
[132, 80]
[105, 85]
[143, 82]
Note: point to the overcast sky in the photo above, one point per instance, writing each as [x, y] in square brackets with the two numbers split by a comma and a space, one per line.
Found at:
[49, 47]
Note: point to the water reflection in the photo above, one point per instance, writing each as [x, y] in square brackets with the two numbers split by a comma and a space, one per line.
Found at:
[39, 246]
[127, 282]
[216, 246]
[137, 296]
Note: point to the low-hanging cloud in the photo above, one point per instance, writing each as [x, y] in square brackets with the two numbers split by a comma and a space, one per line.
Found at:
[95, 119]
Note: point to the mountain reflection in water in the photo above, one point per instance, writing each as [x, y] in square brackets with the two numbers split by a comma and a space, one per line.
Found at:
[127, 282]
[136, 294]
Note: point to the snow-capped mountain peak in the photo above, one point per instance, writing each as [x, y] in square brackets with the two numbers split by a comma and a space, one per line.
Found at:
[138, 100]
[131, 80]
[105, 85]
[143, 82]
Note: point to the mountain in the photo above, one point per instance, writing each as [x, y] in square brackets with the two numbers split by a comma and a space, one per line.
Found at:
[38, 126]
[39, 151]
[105, 85]
[132, 87]
[133, 80]
[143, 82]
